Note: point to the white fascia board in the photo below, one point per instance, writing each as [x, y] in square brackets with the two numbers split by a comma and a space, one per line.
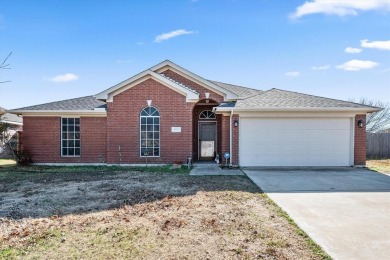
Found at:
[10, 122]
[309, 109]
[147, 74]
[90, 113]
[104, 94]
[229, 96]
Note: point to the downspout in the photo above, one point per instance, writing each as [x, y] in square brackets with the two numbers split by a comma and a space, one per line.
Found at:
[231, 138]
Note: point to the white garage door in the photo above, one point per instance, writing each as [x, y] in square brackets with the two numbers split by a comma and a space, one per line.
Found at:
[295, 142]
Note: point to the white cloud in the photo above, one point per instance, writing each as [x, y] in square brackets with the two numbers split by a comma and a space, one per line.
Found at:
[339, 7]
[167, 36]
[292, 73]
[356, 65]
[65, 77]
[380, 45]
[352, 50]
[325, 67]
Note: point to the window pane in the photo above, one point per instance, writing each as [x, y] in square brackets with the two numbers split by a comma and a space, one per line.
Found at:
[149, 120]
[64, 121]
[77, 128]
[143, 143]
[77, 121]
[149, 143]
[64, 135]
[77, 136]
[64, 151]
[70, 121]
[77, 151]
[156, 135]
[71, 151]
[64, 144]
[143, 120]
[156, 143]
[156, 128]
[64, 128]
[143, 127]
[156, 120]
[77, 143]
[149, 128]
[70, 136]
[150, 135]
[156, 152]
[71, 128]
[143, 135]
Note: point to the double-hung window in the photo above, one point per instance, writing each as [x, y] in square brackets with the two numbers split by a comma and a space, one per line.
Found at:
[70, 137]
[150, 132]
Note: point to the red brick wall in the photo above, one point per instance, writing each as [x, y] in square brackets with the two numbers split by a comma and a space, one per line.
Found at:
[201, 90]
[123, 127]
[225, 132]
[360, 141]
[42, 136]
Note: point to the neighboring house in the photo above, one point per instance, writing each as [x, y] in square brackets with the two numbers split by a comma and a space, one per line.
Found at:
[166, 114]
[15, 124]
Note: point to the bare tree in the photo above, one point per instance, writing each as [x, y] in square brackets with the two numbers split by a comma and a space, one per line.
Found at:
[377, 121]
[5, 66]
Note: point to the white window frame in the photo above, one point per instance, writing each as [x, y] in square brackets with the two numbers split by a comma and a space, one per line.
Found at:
[74, 139]
[147, 131]
[206, 113]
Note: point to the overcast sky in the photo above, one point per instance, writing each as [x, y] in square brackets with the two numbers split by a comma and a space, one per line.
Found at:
[66, 49]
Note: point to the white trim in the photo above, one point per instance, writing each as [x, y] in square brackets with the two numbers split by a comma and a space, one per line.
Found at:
[89, 113]
[216, 134]
[159, 132]
[298, 114]
[10, 122]
[193, 77]
[70, 156]
[303, 109]
[108, 94]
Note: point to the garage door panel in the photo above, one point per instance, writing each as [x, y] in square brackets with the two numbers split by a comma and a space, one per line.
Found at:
[295, 142]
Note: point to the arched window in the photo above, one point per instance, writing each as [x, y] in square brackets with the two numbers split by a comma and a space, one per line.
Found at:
[206, 114]
[150, 132]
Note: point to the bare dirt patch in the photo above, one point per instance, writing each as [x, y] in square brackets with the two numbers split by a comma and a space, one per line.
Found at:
[138, 215]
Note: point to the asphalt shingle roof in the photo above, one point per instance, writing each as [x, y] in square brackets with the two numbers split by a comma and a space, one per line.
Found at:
[277, 98]
[82, 103]
[179, 83]
[241, 92]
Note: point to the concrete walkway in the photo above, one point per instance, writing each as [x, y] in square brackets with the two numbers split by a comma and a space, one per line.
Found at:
[345, 210]
[213, 169]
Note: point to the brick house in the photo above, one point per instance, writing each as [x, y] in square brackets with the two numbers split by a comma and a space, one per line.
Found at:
[166, 114]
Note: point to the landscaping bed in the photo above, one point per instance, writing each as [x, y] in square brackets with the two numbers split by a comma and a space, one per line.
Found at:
[107, 213]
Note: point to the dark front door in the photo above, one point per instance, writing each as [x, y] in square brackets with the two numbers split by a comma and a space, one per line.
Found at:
[207, 140]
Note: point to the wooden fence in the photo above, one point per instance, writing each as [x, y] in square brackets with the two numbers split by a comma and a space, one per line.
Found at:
[378, 145]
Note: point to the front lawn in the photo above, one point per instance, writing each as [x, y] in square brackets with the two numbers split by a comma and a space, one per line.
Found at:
[382, 165]
[123, 213]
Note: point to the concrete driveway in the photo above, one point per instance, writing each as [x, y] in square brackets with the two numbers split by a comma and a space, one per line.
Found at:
[344, 210]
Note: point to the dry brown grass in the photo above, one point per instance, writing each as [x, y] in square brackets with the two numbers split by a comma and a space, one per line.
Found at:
[379, 165]
[139, 215]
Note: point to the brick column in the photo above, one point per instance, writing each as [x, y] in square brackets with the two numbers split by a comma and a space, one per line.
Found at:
[360, 141]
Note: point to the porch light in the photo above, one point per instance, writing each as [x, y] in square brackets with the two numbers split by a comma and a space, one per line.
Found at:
[207, 95]
[360, 123]
[149, 102]
[235, 123]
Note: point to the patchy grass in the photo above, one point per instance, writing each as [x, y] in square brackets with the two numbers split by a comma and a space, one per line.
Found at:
[379, 165]
[79, 213]
[7, 163]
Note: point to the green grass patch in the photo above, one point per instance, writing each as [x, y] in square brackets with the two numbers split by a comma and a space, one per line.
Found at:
[313, 246]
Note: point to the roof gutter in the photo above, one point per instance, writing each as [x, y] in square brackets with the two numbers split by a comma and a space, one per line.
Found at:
[305, 109]
[99, 112]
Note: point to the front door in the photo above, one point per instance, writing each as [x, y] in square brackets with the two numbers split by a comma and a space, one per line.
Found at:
[207, 140]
